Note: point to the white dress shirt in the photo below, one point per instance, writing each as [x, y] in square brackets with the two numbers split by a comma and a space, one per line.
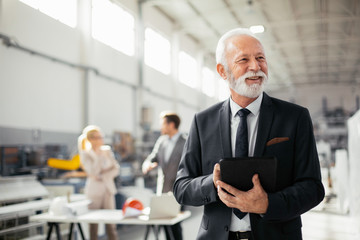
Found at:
[170, 145]
[252, 122]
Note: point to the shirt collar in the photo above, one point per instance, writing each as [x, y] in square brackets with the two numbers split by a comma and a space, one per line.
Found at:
[254, 107]
[175, 137]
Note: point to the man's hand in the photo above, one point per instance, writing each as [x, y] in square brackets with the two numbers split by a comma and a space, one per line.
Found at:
[254, 201]
[216, 174]
[148, 167]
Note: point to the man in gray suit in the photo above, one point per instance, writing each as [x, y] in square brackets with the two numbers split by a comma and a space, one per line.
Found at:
[167, 154]
[273, 128]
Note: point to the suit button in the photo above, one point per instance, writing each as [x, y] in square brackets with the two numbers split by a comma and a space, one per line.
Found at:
[226, 228]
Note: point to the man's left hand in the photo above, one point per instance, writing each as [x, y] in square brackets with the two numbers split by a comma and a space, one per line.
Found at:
[253, 201]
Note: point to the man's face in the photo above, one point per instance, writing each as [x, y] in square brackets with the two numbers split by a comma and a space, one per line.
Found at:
[165, 127]
[247, 67]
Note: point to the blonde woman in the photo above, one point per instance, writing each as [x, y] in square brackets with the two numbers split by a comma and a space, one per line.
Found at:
[101, 168]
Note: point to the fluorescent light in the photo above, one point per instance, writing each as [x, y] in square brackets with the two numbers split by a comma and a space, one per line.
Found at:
[257, 29]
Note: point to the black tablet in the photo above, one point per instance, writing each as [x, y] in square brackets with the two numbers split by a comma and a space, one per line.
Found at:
[238, 172]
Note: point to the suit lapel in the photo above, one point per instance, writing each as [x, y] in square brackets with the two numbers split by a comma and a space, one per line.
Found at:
[162, 153]
[265, 122]
[176, 150]
[225, 134]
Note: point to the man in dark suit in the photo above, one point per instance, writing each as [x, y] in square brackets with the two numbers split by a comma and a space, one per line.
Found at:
[167, 154]
[274, 128]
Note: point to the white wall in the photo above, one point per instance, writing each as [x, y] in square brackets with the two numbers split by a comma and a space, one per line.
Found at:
[111, 104]
[42, 94]
[343, 96]
[32, 95]
[36, 93]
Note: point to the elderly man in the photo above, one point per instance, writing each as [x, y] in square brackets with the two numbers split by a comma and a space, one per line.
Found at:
[273, 128]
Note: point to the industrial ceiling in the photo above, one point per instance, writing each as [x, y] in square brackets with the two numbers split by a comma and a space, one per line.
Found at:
[307, 42]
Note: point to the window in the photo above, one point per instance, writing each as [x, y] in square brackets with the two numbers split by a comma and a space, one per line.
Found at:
[208, 82]
[62, 10]
[157, 51]
[113, 26]
[224, 91]
[187, 70]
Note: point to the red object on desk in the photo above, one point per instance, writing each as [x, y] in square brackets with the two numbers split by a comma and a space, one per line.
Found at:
[132, 203]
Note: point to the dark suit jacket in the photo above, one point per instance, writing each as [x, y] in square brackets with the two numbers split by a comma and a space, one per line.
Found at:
[170, 167]
[284, 131]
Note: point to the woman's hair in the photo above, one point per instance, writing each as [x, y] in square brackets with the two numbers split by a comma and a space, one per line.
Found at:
[83, 140]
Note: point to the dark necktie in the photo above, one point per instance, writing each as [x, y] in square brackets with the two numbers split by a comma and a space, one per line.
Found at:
[241, 145]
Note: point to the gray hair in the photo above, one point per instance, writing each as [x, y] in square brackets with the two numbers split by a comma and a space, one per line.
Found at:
[220, 49]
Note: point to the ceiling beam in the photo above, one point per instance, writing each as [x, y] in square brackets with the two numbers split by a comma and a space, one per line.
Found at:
[315, 42]
[305, 82]
[299, 33]
[300, 22]
[311, 21]
[232, 12]
[159, 2]
[203, 18]
[330, 58]
[323, 71]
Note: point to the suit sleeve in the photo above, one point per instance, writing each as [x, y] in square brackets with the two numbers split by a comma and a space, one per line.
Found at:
[153, 157]
[307, 190]
[192, 186]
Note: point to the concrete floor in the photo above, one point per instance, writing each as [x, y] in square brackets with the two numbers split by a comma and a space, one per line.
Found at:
[325, 222]
[321, 223]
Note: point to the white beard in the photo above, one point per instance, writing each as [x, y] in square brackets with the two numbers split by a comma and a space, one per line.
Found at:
[240, 87]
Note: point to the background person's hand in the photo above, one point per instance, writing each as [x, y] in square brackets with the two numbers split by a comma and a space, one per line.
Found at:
[148, 167]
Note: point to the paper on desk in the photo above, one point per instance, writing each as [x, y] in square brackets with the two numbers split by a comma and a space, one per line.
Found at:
[79, 207]
[102, 216]
[60, 207]
[132, 212]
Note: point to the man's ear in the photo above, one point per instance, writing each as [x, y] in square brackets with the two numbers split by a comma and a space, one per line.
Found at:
[221, 70]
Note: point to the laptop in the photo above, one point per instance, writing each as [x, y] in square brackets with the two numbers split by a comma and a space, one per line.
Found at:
[161, 206]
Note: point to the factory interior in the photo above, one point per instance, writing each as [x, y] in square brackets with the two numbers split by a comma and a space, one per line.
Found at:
[118, 64]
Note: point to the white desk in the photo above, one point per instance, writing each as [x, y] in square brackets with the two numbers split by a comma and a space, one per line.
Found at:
[25, 209]
[13, 210]
[106, 217]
